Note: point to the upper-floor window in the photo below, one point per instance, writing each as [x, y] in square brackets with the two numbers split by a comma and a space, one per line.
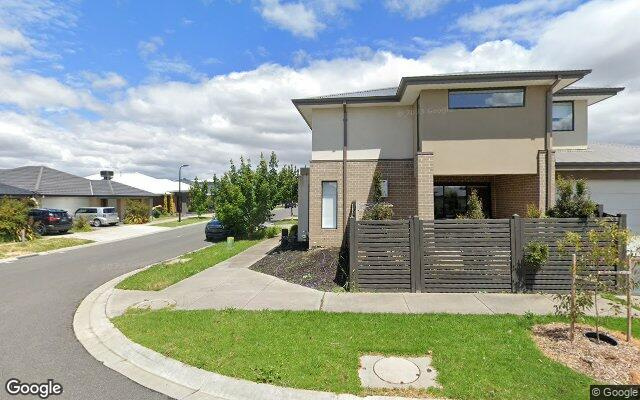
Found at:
[563, 116]
[486, 98]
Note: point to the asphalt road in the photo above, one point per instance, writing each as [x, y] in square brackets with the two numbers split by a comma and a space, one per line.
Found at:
[39, 296]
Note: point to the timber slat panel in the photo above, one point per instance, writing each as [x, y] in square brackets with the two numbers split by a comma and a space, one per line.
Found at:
[383, 255]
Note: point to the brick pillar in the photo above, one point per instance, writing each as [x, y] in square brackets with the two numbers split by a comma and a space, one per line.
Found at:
[542, 180]
[551, 196]
[423, 170]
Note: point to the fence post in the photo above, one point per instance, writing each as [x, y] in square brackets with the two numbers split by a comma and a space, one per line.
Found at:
[353, 255]
[622, 248]
[414, 244]
[518, 279]
[600, 210]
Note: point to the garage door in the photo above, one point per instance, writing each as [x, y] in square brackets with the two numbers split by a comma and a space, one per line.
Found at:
[618, 196]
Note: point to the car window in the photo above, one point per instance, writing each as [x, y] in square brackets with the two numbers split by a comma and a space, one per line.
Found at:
[109, 210]
[92, 210]
[80, 211]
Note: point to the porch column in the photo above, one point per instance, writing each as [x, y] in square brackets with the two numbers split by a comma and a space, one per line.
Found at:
[546, 199]
[423, 169]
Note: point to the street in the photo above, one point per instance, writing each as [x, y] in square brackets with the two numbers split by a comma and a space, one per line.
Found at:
[39, 296]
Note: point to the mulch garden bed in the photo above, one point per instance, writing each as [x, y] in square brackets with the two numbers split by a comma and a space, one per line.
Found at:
[605, 363]
[314, 268]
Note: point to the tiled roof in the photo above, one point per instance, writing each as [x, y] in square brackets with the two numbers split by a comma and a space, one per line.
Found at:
[51, 182]
[600, 153]
[8, 190]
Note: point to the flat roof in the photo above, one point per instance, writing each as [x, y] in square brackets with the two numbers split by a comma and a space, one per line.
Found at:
[599, 156]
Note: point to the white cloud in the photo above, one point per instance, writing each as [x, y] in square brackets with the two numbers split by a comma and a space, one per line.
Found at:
[148, 47]
[31, 91]
[305, 19]
[293, 17]
[13, 39]
[107, 80]
[153, 127]
[413, 9]
[522, 20]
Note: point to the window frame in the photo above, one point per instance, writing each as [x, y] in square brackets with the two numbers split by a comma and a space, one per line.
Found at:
[573, 116]
[322, 205]
[524, 97]
[466, 186]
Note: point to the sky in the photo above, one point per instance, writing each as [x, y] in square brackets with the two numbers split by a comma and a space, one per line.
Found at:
[145, 86]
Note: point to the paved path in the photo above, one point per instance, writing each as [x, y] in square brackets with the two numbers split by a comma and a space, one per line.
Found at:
[231, 284]
[38, 299]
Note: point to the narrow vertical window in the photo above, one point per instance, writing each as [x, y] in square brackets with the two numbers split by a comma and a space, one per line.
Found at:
[330, 205]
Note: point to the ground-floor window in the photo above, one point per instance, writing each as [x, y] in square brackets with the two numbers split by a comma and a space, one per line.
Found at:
[330, 204]
[451, 200]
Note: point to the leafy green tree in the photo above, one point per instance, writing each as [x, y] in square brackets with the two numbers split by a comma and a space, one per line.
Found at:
[288, 184]
[199, 196]
[214, 188]
[274, 183]
[379, 210]
[573, 200]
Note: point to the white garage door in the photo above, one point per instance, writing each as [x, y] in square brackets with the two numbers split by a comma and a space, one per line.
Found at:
[69, 204]
[618, 196]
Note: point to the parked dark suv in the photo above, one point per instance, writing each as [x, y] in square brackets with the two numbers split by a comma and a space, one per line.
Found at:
[50, 220]
[215, 231]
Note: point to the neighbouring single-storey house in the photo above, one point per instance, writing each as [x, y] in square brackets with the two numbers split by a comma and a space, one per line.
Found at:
[159, 187]
[434, 139]
[51, 188]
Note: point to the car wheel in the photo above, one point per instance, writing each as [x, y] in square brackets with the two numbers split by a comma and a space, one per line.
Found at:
[96, 222]
[40, 229]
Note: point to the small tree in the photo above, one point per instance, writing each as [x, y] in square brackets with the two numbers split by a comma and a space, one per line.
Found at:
[534, 212]
[573, 200]
[172, 203]
[474, 207]
[199, 195]
[379, 210]
[165, 203]
[14, 220]
[602, 250]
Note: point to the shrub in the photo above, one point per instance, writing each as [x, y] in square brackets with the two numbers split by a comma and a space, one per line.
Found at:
[266, 232]
[81, 224]
[536, 254]
[14, 219]
[378, 211]
[573, 200]
[474, 207]
[159, 211]
[136, 212]
[534, 212]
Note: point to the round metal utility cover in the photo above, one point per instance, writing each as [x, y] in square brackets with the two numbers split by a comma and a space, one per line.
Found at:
[396, 370]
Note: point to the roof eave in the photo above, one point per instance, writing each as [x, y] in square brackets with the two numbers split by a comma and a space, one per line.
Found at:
[586, 166]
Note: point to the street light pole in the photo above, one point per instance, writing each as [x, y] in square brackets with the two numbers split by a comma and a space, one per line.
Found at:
[180, 191]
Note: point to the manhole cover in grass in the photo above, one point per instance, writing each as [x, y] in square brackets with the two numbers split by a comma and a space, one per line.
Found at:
[396, 370]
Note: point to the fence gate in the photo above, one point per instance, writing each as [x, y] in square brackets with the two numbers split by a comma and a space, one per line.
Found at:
[466, 256]
[382, 255]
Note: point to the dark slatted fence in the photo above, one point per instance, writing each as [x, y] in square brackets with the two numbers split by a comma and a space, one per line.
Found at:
[466, 255]
[555, 275]
[383, 255]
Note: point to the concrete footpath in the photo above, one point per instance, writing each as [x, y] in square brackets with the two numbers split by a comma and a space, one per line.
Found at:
[231, 284]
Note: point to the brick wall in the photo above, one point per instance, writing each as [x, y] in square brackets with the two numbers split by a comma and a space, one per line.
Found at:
[398, 173]
[512, 193]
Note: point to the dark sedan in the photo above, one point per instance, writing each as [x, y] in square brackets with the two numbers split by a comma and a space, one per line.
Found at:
[215, 230]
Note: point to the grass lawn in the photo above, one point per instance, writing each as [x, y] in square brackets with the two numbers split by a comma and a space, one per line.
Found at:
[185, 221]
[164, 275]
[614, 298]
[14, 249]
[286, 222]
[476, 356]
